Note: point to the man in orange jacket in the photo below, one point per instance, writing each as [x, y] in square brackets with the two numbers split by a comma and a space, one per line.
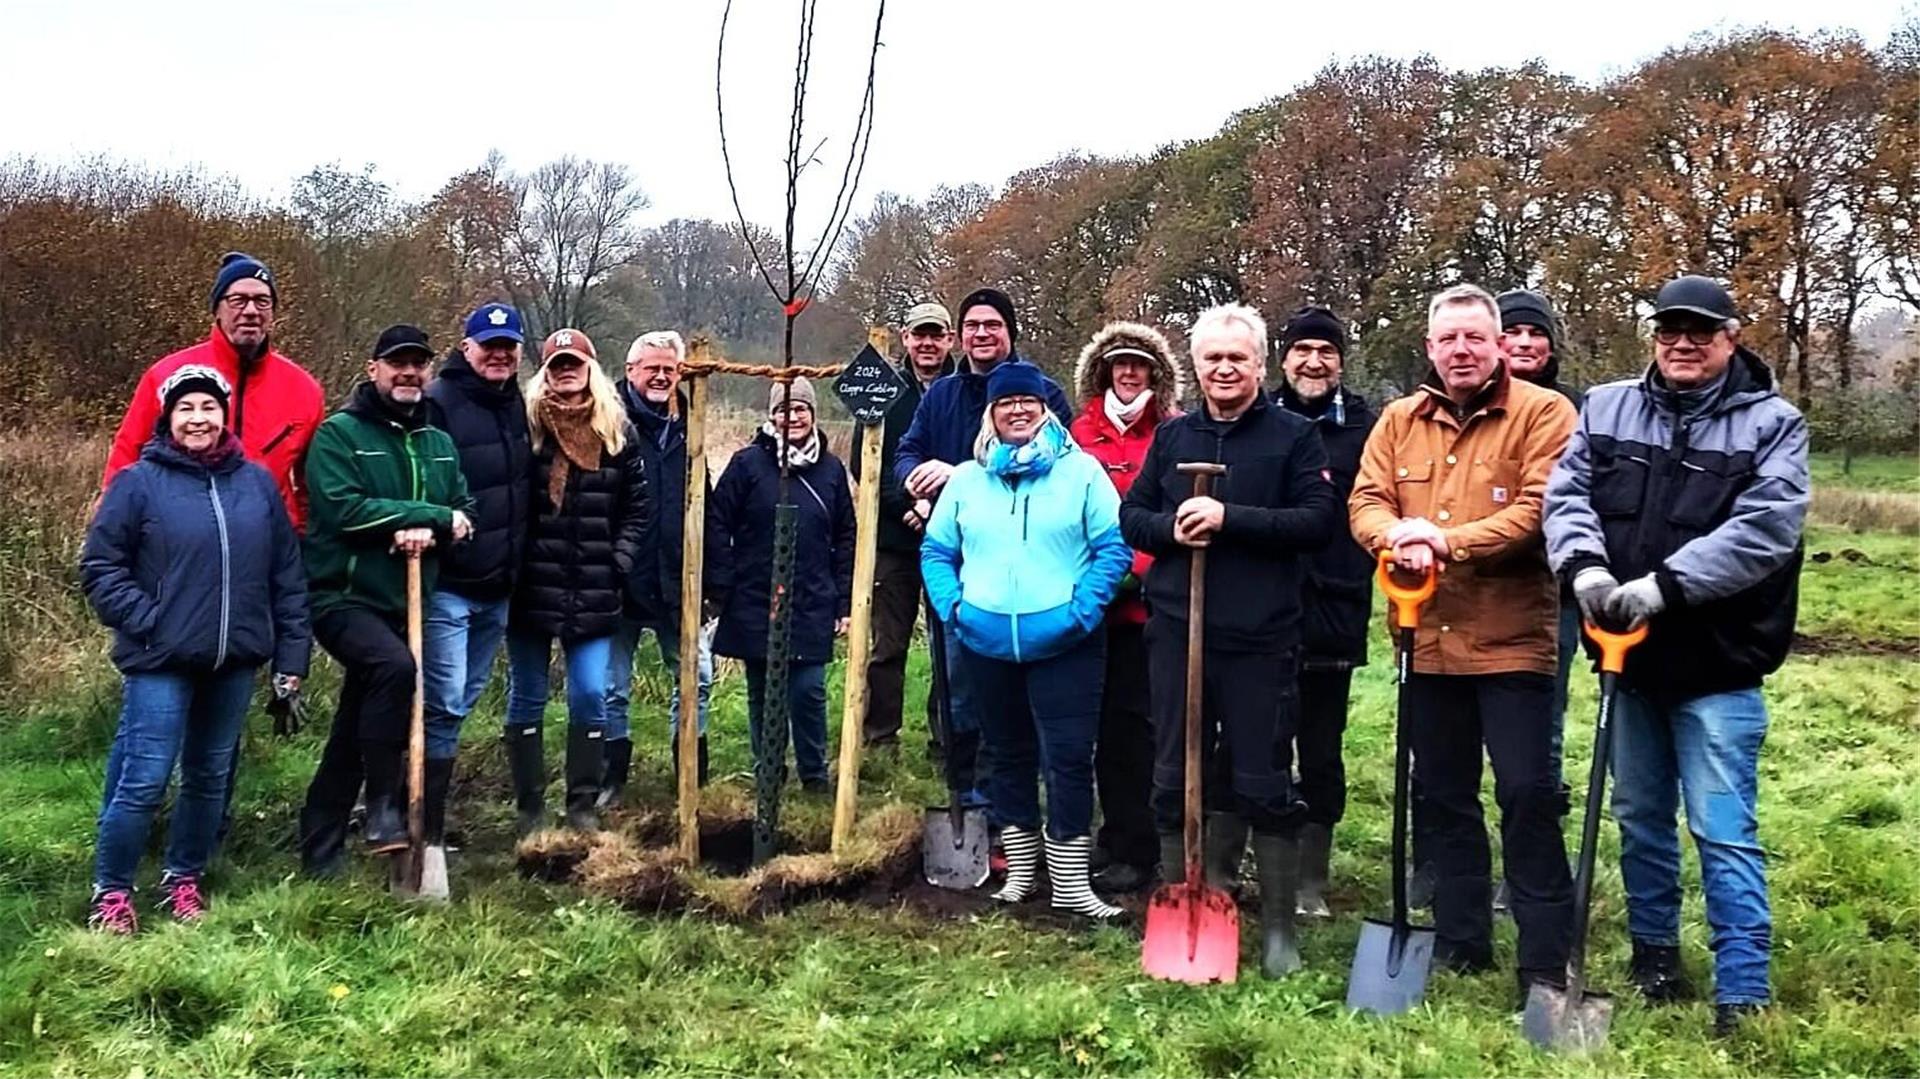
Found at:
[276, 403]
[1454, 477]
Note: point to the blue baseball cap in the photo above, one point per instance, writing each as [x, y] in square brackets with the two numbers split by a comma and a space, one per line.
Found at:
[492, 321]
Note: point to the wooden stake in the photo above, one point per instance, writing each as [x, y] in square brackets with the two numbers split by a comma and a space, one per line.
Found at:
[692, 565]
[853, 711]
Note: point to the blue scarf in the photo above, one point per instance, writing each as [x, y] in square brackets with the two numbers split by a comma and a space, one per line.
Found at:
[1033, 458]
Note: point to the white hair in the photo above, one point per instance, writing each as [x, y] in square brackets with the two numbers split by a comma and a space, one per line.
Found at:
[1463, 296]
[1227, 316]
[667, 339]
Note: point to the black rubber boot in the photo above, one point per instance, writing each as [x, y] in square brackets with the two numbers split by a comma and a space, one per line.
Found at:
[1173, 858]
[323, 843]
[1226, 848]
[1316, 852]
[1277, 859]
[586, 762]
[1657, 972]
[439, 783]
[526, 762]
[614, 782]
[386, 829]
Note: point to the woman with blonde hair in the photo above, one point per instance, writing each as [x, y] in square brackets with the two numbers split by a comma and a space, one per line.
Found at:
[589, 501]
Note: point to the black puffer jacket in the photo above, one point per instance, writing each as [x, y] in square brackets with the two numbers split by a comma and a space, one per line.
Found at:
[1337, 598]
[580, 553]
[653, 588]
[488, 424]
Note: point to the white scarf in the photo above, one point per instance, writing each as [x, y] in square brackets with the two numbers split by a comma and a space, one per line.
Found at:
[798, 456]
[1122, 416]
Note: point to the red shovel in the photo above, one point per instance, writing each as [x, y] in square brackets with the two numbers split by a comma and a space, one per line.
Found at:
[1193, 931]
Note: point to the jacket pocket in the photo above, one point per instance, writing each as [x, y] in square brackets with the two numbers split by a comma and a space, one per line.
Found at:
[1619, 486]
[1704, 495]
[1413, 488]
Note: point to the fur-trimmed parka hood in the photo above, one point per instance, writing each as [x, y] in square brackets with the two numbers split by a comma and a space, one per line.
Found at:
[1168, 382]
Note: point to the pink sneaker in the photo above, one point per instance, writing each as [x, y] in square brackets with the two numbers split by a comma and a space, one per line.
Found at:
[180, 897]
[113, 913]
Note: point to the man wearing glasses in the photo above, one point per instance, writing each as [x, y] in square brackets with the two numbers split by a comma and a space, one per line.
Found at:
[277, 405]
[1690, 484]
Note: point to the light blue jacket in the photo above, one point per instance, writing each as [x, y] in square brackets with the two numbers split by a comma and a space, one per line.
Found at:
[1025, 570]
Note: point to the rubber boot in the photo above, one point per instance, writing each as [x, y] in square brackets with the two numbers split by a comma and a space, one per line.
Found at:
[699, 764]
[1277, 859]
[323, 843]
[526, 762]
[1067, 878]
[1023, 864]
[1316, 851]
[1173, 858]
[439, 783]
[1225, 846]
[586, 762]
[386, 829]
[614, 782]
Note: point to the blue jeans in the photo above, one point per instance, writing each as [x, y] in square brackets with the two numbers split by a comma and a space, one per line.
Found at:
[528, 655]
[626, 642]
[459, 639]
[193, 720]
[1042, 718]
[1707, 751]
[806, 713]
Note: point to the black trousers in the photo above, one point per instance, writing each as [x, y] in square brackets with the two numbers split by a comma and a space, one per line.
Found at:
[1323, 725]
[376, 703]
[896, 606]
[1123, 757]
[1451, 717]
[1248, 706]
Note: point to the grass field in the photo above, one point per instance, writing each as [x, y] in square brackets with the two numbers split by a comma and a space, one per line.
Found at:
[523, 978]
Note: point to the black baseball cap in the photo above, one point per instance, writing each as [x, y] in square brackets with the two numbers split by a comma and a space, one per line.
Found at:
[1693, 294]
[399, 339]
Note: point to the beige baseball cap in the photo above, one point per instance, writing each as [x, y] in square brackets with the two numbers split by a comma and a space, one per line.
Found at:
[924, 313]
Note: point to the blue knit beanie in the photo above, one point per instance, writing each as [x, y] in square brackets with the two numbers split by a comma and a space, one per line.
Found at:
[235, 265]
[1014, 378]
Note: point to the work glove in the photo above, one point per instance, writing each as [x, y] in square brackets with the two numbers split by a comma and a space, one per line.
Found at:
[1591, 589]
[289, 712]
[1636, 601]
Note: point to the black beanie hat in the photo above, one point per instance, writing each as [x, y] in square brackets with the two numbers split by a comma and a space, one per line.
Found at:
[193, 378]
[1525, 307]
[1314, 324]
[235, 265]
[995, 299]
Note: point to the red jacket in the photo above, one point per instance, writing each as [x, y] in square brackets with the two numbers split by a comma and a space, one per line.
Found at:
[1121, 452]
[276, 407]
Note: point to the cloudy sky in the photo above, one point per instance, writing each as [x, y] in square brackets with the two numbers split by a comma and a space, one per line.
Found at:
[264, 90]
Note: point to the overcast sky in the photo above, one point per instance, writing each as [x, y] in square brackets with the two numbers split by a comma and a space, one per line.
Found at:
[265, 89]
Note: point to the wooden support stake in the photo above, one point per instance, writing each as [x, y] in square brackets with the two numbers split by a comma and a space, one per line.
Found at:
[693, 555]
[853, 711]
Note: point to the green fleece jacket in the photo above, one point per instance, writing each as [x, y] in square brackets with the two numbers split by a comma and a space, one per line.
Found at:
[371, 472]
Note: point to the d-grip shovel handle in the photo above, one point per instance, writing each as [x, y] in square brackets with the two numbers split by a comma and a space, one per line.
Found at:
[1615, 646]
[1406, 601]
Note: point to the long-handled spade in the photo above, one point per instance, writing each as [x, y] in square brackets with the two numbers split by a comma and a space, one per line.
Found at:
[1391, 961]
[954, 842]
[1574, 1020]
[1193, 930]
[420, 872]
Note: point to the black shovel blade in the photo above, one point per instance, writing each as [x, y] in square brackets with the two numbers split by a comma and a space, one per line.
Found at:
[1555, 1020]
[955, 860]
[1386, 980]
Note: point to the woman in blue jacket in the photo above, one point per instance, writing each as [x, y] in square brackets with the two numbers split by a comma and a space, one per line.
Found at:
[739, 568]
[1020, 561]
[193, 563]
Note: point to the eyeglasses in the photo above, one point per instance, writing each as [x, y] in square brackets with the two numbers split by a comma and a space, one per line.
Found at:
[237, 301]
[1008, 404]
[992, 325]
[1695, 334]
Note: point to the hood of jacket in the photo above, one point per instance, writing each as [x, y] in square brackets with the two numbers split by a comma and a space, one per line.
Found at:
[1749, 379]
[365, 402]
[1167, 381]
[456, 370]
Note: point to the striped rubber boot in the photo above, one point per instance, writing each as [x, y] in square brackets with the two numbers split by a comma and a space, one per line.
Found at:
[1067, 871]
[1022, 848]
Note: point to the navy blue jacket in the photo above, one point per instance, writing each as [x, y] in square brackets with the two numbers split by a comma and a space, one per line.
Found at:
[197, 569]
[948, 419]
[739, 568]
[1336, 597]
[653, 588]
[488, 425]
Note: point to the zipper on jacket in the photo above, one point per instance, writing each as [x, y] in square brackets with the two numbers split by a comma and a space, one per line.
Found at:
[226, 570]
[276, 440]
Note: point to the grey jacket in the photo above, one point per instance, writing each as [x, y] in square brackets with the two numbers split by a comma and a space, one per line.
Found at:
[1711, 504]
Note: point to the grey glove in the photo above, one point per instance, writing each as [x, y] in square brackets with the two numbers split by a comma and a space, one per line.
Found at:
[1591, 587]
[1636, 601]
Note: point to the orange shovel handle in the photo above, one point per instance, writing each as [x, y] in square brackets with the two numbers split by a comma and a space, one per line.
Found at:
[1615, 646]
[1406, 601]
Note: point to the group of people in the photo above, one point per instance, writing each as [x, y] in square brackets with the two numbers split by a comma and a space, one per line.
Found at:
[1053, 539]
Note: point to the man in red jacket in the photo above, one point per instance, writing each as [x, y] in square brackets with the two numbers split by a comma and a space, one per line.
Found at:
[1127, 383]
[276, 403]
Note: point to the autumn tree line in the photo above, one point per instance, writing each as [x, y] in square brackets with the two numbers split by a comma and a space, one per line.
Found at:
[1787, 165]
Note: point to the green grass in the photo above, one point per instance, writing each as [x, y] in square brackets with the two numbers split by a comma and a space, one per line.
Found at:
[520, 978]
[1876, 472]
